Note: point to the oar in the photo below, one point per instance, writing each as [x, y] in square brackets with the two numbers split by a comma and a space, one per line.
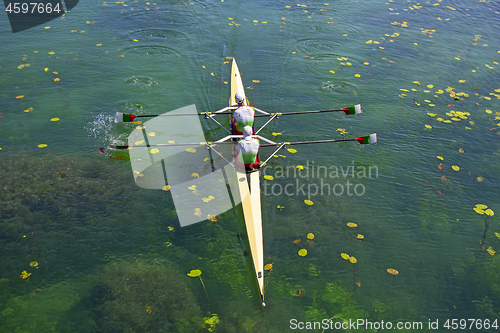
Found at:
[355, 109]
[128, 117]
[367, 139]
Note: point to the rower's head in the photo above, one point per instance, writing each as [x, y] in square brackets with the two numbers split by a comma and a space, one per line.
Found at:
[239, 98]
[247, 133]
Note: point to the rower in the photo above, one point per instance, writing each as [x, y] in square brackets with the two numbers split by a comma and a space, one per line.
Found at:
[243, 115]
[248, 151]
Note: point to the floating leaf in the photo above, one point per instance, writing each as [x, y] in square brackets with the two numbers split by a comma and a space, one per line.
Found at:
[352, 225]
[310, 235]
[166, 188]
[357, 75]
[479, 211]
[213, 218]
[154, 151]
[33, 264]
[360, 236]
[428, 126]
[192, 187]
[481, 206]
[297, 241]
[300, 167]
[170, 228]
[461, 150]
[353, 260]
[42, 145]
[344, 256]
[197, 212]
[268, 177]
[489, 212]
[291, 150]
[480, 179]
[152, 134]
[443, 178]
[194, 273]
[54, 119]
[491, 251]
[302, 252]
[191, 150]
[441, 166]
[195, 175]
[308, 202]
[456, 168]
[268, 267]
[392, 271]
[25, 275]
[440, 157]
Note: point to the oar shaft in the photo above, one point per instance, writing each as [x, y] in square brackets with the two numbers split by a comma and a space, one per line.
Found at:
[355, 109]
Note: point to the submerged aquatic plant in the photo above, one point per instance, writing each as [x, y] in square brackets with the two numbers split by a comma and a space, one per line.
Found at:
[197, 273]
[142, 296]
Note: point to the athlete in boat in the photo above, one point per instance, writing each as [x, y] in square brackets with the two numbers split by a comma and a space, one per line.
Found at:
[243, 115]
[248, 149]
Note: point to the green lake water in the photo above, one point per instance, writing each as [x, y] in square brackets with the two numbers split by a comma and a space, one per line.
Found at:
[104, 255]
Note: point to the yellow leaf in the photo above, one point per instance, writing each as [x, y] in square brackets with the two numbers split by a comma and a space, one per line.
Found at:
[489, 212]
[25, 275]
[360, 236]
[192, 187]
[430, 86]
[42, 145]
[291, 150]
[54, 119]
[255, 81]
[479, 211]
[351, 225]
[357, 75]
[20, 96]
[431, 114]
[154, 151]
[480, 179]
[491, 251]
[170, 228]
[191, 150]
[197, 212]
[166, 188]
[308, 202]
[456, 168]
[332, 71]
[440, 157]
[194, 273]
[392, 271]
[33, 264]
[303, 252]
[310, 235]
[268, 177]
[57, 79]
[461, 150]
[353, 260]
[300, 167]
[268, 267]
[212, 74]
[139, 142]
[152, 134]
[344, 256]
[428, 126]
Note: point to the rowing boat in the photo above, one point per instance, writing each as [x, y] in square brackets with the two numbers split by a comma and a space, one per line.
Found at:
[249, 190]
[154, 164]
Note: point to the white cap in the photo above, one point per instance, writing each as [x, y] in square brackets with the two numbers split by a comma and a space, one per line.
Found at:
[239, 97]
[247, 133]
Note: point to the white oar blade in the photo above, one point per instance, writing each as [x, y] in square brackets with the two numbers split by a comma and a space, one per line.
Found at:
[357, 109]
[373, 138]
[118, 117]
